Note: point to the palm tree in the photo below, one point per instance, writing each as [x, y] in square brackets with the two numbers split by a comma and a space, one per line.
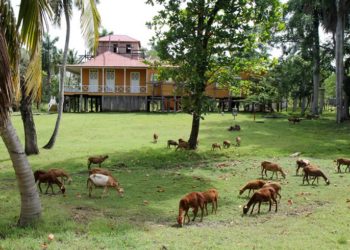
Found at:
[30, 19]
[48, 51]
[90, 22]
[105, 32]
[72, 58]
[333, 20]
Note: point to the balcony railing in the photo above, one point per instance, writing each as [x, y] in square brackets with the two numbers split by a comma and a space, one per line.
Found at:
[96, 88]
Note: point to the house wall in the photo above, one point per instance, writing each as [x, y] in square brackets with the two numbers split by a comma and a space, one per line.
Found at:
[119, 76]
[167, 89]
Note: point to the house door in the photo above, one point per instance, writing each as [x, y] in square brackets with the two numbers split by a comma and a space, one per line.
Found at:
[110, 80]
[93, 80]
[135, 82]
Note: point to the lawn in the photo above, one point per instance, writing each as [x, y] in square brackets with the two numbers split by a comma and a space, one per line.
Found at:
[155, 178]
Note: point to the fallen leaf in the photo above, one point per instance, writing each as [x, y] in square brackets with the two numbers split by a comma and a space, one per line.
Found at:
[51, 237]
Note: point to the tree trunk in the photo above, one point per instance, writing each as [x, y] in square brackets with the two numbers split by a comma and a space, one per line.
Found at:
[194, 131]
[322, 103]
[303, 105]
[316, 63]
[346, 108]
[31, 145]
[30, 202]
[52, 140]
[295, 104]
[339, 65]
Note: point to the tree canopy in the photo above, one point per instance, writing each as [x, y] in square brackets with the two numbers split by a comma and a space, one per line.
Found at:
[196, 36]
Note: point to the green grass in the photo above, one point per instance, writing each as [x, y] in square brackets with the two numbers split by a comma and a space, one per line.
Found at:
[146, 218]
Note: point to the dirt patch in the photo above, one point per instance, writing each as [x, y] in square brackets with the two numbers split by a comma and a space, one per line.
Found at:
[82, 215]
[306, 210]
[226, 164]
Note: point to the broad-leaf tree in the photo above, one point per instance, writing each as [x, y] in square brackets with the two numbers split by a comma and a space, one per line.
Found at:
[194, 35]
[303, 21]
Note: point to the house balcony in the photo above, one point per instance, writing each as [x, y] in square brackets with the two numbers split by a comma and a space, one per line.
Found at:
[149, 89]
[96, 89]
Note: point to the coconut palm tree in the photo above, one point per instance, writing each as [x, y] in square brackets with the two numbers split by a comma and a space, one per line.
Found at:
[90, 22]
[27, 30]
[48, 52]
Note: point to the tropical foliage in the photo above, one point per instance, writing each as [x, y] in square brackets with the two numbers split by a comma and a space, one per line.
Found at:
[198, 35]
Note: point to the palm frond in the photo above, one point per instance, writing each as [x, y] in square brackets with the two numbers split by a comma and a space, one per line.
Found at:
[6, 87]
[33, 76]
[8, 25]
[32, 18]
[57, 7]
[12, 43]
[90, 22]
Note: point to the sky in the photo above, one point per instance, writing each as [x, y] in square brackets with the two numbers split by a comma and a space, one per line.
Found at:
[122, 17]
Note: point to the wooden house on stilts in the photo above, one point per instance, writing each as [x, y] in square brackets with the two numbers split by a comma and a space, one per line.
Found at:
[117, 79]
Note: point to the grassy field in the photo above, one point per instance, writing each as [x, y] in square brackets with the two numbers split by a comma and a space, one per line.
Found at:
[155, 178]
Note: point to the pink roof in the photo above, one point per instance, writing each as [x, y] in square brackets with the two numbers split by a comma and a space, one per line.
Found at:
[117, 38]
[110, 59]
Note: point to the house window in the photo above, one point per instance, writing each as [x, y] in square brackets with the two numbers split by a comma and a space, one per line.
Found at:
[93, 80]
[128, 49]
[115, 48]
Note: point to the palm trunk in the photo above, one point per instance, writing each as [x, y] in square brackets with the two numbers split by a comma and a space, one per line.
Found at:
[52, 140]
[30, 202]
[322, 102]
[339, 68]
[316, 63]
[31, 145]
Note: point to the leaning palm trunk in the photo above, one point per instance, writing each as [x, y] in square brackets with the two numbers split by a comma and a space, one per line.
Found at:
[30, 202]
[52, 140]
